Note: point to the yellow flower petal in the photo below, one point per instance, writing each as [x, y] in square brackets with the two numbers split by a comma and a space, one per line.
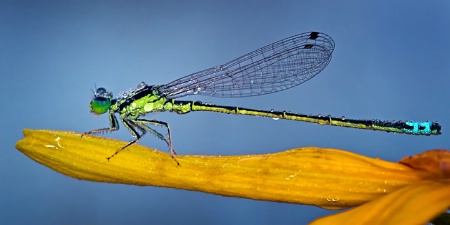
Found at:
[327, 178]
[436, 161]
[414, 204]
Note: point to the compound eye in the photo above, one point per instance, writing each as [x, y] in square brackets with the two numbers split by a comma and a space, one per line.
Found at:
[100, 105]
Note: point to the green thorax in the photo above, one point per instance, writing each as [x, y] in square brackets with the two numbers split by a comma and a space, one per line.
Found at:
[138, 102]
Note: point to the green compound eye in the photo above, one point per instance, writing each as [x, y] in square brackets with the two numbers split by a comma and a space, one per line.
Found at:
[101, 102]
[100, 105]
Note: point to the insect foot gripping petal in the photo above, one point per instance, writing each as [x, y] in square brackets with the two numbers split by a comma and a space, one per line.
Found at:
[173, 153]
[144, 125]
[114, 126]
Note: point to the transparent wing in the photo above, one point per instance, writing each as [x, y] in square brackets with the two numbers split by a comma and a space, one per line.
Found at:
[275, 67]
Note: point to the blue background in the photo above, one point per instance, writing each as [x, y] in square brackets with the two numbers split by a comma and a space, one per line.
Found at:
[391, 62]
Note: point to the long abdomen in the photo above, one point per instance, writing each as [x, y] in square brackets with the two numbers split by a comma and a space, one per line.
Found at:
[406, 127]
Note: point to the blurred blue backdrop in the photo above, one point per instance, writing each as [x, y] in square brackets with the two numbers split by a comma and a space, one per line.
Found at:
[391, 62]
